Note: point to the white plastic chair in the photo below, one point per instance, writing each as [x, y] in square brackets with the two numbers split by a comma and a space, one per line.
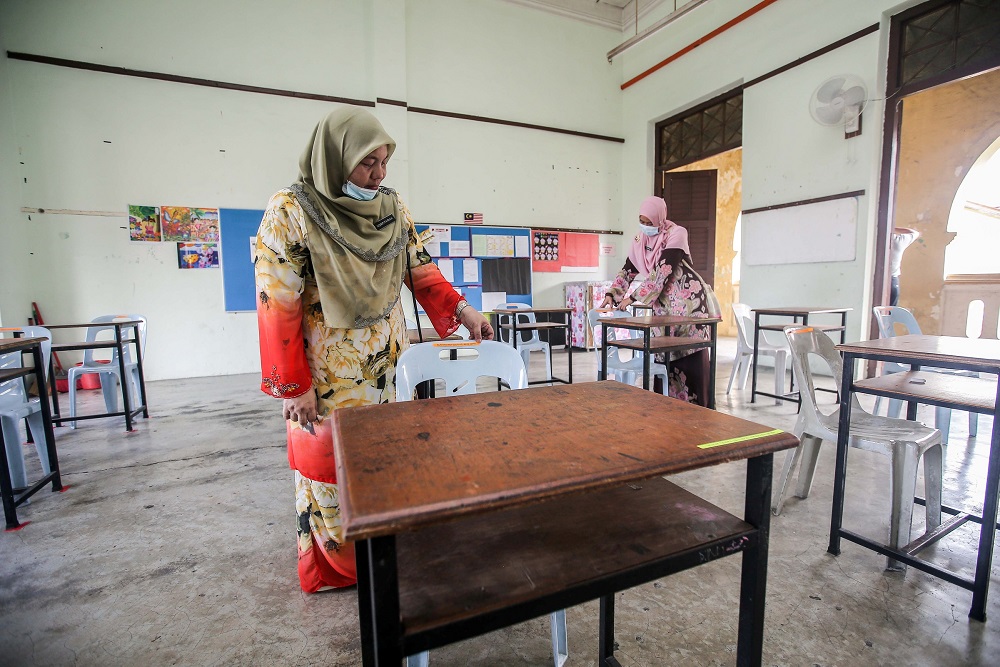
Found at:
[108, 370]
[527, 341]
[433, 361]
[623, 370]
[15, 405]
[744, 352]
[904, 442]
[887, 317]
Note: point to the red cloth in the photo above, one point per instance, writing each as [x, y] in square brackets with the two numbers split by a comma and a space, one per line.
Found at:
[437, 297]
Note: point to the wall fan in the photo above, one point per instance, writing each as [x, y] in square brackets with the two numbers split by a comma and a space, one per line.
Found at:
[839, 101]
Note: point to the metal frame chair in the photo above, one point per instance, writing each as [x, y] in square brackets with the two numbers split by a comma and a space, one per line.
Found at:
[744, 353]
[528, 341]
[627, 370]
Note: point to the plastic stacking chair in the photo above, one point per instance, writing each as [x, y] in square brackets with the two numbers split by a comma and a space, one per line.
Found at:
[744, 352]
[15, 405]
[887, 317]
[527, 341]
[623, 370]
[433, 361]
[904, 442]
[108, 370]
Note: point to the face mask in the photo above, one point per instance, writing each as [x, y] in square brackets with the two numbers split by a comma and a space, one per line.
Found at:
[356, 192]
[649, 231]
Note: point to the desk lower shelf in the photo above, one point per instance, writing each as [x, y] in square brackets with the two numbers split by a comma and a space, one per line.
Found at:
[944, 389]
[663, 343]
[459, 579]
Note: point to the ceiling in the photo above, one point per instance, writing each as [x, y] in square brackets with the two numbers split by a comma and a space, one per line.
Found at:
[617, 14]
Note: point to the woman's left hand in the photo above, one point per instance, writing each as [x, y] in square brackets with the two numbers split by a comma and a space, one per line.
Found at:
[477, 325]
[626, 302]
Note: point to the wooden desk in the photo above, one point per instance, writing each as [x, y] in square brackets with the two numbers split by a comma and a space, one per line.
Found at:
[654, 344]
[514, 327]
[11, 499]
[118, 344]
[963, 393]
[453, 539]
[796, 313]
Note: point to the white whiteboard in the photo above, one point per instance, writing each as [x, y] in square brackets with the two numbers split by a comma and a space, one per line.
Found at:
[822, 232]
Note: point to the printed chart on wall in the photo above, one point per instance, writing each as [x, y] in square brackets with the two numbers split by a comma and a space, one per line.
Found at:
[489, 265]
[238, 228]
[564, 252]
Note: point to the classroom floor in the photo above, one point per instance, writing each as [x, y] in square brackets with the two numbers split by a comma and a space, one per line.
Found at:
[175, 545]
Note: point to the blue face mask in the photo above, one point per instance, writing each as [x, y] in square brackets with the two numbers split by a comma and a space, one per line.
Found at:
[361, 194]
[649, 231]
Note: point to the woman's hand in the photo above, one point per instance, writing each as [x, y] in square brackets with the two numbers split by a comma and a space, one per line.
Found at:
[608, 302]
[477, 325]
[301, 409]
[626, 302]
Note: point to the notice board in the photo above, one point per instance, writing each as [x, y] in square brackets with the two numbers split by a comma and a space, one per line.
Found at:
[489, 265]
[238, 230]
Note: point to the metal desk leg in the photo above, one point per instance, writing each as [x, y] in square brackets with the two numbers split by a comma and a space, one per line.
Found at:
[756, 344]
[53, 388]
[603, 372]
[606, 640]
[569, 346]
[142, 374]
[122, 378]
[987, 530]
[647, 332]
[7, 489]
[50, 436]
[711, 371]
[753, 579]
[840, 469]
[382, 639]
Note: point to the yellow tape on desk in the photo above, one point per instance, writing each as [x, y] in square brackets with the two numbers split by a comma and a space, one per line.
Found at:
[742, 438]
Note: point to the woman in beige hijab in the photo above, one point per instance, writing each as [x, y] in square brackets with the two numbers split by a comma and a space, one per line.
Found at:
[332, 252]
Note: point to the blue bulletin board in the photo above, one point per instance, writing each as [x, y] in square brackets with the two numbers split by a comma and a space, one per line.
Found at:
[237, 228]
[459, 251]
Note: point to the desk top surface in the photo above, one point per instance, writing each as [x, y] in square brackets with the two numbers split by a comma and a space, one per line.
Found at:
[650, 321]
[88, 325]
[799, 310]
[16, 344]
[508, 311]
[981, 353]
[429, 336]
[418, 463]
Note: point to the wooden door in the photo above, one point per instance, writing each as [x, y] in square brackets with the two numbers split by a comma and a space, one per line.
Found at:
[690, 197]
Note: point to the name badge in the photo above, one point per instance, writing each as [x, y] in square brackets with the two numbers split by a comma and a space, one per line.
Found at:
[387, 220]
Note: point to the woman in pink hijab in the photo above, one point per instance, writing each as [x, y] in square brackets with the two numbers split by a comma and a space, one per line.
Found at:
[661, 259]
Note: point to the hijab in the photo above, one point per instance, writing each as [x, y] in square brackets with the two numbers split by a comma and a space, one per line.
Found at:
[357, 247]
[646, 250]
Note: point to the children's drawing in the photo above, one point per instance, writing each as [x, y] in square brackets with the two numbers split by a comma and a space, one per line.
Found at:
[181, 223]
[144, 223]
[198, 255]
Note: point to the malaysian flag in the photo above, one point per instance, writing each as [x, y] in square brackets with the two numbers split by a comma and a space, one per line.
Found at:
[473, 218]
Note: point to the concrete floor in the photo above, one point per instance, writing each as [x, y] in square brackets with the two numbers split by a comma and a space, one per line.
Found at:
[174, 545]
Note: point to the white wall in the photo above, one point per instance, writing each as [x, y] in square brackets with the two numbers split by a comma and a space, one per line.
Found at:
[786, 155]
[98, 142]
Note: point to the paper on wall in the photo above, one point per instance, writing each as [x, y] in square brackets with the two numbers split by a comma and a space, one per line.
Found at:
[493, 299]
[458, 249]
[522, 246]
[442, 233]
[470, 270]
[447, 269]
[499, 245]
[479, 245]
